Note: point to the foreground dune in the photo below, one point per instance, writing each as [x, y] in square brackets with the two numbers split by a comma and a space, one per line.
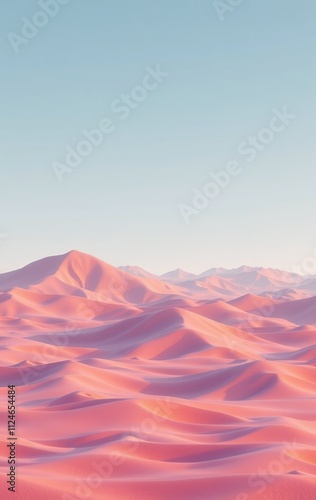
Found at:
[135, 387]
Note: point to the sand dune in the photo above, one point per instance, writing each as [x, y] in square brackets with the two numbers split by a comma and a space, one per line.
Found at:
[137, 387]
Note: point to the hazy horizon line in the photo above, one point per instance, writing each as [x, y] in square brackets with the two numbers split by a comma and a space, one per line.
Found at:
[122, 266]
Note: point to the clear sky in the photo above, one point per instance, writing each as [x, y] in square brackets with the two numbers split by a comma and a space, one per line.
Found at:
[225, 72]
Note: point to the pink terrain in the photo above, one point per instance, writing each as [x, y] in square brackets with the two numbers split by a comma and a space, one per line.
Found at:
[131, 386]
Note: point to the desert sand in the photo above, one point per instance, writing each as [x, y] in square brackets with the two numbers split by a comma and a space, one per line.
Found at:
[132, 386]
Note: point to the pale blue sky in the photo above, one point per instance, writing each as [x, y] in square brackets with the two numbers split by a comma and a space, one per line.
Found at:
[122, 203]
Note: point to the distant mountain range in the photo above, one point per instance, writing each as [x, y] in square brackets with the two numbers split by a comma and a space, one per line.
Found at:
[64, 274]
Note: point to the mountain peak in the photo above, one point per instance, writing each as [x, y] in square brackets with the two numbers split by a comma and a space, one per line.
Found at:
[177, 275]
[65, 267]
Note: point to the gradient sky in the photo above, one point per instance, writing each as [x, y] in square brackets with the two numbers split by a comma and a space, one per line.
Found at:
[122, 203]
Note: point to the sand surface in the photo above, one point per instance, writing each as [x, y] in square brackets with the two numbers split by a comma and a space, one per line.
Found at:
[136, 387]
